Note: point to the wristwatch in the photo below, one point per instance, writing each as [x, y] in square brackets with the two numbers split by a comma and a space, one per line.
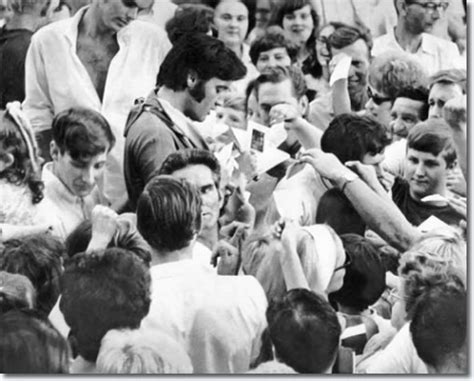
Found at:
[345, 179]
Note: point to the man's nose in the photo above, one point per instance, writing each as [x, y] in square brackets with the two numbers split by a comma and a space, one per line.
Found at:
[435, 112]
[88, 176]
[420, 170]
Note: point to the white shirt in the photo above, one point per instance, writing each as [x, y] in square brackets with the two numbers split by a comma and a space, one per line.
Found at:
[399, 356]
[56, 79]
[433, 55]
[218, 319]
[378, 15]
[68, 209]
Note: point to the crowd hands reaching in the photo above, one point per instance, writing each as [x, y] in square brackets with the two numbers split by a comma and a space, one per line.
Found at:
[233, 186]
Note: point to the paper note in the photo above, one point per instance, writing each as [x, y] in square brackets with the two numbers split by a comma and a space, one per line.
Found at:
[341, 70]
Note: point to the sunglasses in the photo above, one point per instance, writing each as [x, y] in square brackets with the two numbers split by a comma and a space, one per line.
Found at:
[378, 100]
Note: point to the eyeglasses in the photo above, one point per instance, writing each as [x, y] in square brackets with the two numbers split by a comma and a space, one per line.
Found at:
[378, 100]
[431, 6]
[347, 263]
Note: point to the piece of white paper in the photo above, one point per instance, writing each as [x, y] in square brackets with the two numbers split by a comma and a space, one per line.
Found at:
[341, 71]
[431, 223]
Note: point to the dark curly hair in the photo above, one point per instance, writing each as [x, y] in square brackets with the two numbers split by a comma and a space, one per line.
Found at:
[101, 291]
[22, 171]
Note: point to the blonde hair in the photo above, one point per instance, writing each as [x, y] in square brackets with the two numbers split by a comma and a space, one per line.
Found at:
[140, 351]
[439, 258]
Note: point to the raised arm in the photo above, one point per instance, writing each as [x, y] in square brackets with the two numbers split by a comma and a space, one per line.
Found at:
[380, 213]
[37, 105]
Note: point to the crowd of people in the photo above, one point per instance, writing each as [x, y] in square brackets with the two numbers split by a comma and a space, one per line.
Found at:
[233, 186]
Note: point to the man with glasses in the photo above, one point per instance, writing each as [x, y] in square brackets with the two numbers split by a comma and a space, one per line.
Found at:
[411, 35]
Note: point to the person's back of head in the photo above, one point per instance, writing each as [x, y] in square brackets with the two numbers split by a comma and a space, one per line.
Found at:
[351, 137]
[169, 213]
[364, 281]
[39, 258]
[439, 328]
[102, 291]
[335, 209]
[200, 56]
[304, 330]
[391, 71]
[82, 133]
[189, 19]
[433, 136]
[30, 344]
[125, 351]
[126, 237]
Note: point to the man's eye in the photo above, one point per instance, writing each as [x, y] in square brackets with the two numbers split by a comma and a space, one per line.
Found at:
[99, 166]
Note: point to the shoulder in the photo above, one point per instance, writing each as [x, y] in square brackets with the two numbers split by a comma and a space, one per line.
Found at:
[147, 31]
[52, 31]
[440, 43]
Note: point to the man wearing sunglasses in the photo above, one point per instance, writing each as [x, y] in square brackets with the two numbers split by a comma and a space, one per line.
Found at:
[416, 19]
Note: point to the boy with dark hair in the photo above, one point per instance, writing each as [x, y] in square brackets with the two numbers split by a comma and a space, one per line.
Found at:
[304, 331]
[38, 257]
[218, 318]
[102, 291]
[429, 158]
[353, 137]
[439, 329]
[82, 139]
[191, 77]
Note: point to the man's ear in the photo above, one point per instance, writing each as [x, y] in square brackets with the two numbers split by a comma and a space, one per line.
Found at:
[54, 150]
[400, 6]
[192, 79]
[6, 161]
[304, 105]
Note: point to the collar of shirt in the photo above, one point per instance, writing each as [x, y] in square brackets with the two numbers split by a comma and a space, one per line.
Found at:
[427, 43]
[178, 118]
[72, 31]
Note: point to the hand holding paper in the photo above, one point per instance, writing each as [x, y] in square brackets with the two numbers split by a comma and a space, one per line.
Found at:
[341, 63]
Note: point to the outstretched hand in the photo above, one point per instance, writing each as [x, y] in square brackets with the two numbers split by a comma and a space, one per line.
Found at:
[227, 258]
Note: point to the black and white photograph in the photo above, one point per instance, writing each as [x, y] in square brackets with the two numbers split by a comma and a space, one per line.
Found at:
[234, 187]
